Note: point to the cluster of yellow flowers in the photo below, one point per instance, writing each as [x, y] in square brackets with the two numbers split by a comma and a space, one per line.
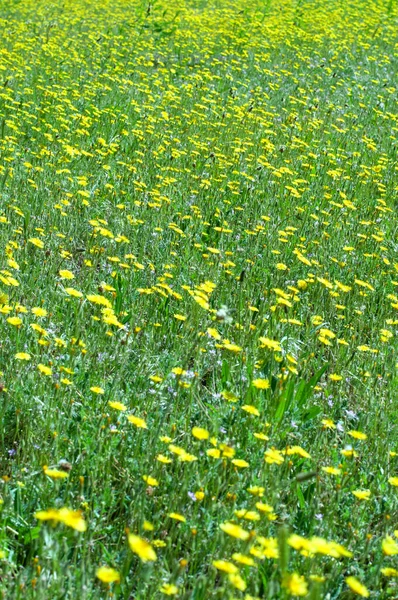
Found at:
[198, 299]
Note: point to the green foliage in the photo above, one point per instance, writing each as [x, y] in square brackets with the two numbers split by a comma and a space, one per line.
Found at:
[198, 299]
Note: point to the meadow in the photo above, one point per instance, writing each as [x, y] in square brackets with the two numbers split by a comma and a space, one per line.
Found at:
[198, 299]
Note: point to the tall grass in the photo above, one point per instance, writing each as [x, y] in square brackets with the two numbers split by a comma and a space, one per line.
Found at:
[198, 299]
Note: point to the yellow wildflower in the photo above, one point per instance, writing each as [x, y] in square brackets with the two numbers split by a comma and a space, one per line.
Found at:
[108, 575]
[142, 548]
[357, 587]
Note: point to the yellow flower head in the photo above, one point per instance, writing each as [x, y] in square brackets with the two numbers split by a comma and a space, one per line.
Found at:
[362, 494]
[55, 473]
[118, 406]
[72, 518]
[296, 585]
[44, 370]
[137, 421]
[16, 321]
[261, 384]
[252, 410]
[97, 390]
[65, 274]
[22, 356]
[235, 531]
[108, 575]
[357, 587]
[142, 548]
[225, 566]
[200, 434]
[177, 517]
[169, 589]
[358, 435]
[389, 546]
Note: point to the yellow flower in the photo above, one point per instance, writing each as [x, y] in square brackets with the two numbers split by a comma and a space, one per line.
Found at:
[22, 356]
[163, 459]
[357, 587]
[349, 452]
[335, 377]
[266, 508]
[213, 452]
[3, 298]
[39, 312]
[328, 424]
[297, 450]
[358, 435]
[225, 566]
[273, 456]
[177, 517]
[72, 292]
[235, 531]
[97, 390]
[251, 410]
[331, 470]
[39, 329]
[362, 494]
[16, 321]
[317, 545]
[249, 515]
[65, 274]
[177, 450]
[256, 490]
[36, 242]
[243, 559]
[389, 546]
[107, 575]
[232, 347]
[227, 451]
[98, 299]
[389, 572]
[117, 406]
[393, 481]
[178, 371]
[214, 333]
[200, 434]
[296, 585]
[150, 480]
[55, 473]
[238, 462]
[237, 581]
[261, 436]
[270, 344]
[261, 384]
[169, 589]
[229, 396]
[137, 421]
[45, 370]
[72, 518]
[142, 548]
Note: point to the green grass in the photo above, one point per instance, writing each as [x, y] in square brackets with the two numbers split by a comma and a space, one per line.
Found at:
[217, 181]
